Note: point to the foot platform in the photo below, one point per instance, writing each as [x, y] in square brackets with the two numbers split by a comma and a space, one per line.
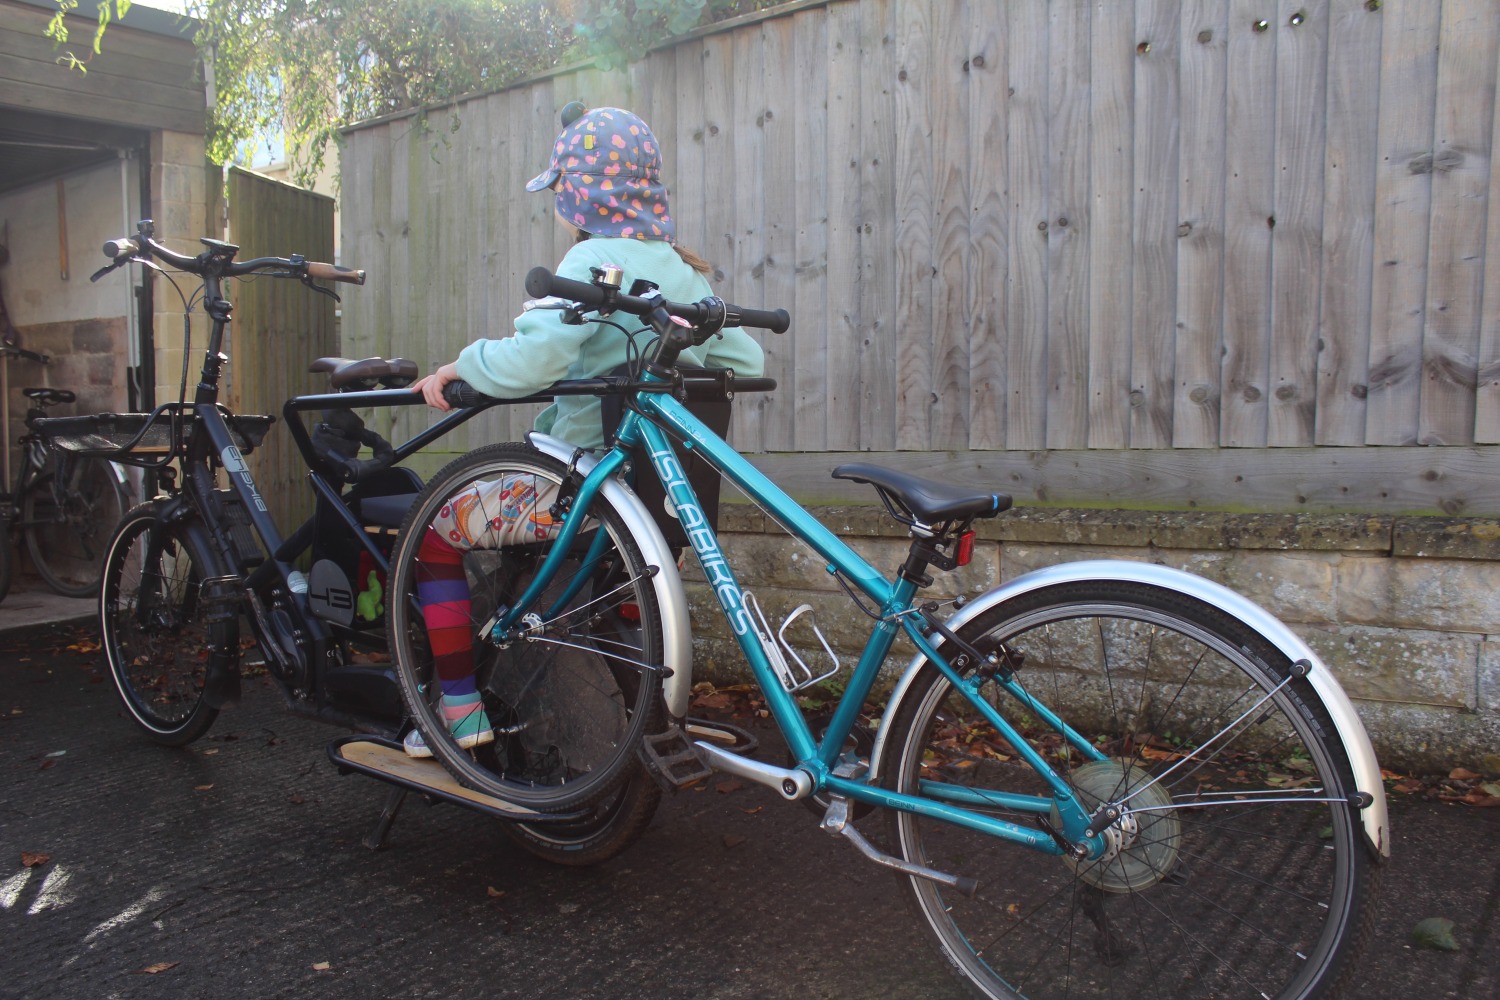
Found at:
[384, 759]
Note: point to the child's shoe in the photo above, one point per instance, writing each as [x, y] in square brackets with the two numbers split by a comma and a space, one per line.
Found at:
[470, 730]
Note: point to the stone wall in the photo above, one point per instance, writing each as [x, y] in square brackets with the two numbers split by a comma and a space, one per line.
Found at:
[1405, 610]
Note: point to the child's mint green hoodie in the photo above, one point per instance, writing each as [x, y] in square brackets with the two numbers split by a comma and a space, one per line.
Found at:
[544, 349]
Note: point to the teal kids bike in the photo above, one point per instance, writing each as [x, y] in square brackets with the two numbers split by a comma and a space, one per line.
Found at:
[1101, 779]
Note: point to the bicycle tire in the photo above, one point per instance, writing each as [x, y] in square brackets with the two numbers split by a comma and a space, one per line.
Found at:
[613, 824]
[156, 635]
[1248, 897]
[67, 543]
[568, 717]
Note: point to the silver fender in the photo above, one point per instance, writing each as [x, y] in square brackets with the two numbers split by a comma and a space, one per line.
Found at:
[1345, 719]
[677, 637]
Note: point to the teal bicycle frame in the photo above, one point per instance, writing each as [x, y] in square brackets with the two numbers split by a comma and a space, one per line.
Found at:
[643, 425]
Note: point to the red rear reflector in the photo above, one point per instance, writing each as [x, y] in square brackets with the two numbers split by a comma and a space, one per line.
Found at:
[630, 611]
[965, 550]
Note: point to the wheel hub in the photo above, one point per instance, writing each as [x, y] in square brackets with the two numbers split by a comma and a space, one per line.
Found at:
[1141, 847]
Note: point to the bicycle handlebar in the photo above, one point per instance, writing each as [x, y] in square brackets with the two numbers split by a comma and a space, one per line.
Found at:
[542, 282]
[461, 395]
[219, 259]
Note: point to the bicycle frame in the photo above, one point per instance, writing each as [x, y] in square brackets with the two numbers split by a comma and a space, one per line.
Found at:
[651, 415]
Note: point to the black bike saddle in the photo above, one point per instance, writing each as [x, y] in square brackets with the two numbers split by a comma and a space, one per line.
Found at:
[366, 373]
[49, 396]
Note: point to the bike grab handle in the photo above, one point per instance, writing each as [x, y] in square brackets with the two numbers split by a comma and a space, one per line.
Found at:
[541, 282]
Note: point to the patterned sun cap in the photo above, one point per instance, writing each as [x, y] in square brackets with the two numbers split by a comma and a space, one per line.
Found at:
[610, 167]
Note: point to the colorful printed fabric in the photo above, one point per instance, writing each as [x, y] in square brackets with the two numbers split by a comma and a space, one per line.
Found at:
[511, 510]
[609, 164]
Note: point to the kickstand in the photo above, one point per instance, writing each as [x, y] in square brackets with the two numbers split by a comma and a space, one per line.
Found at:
[375, 839]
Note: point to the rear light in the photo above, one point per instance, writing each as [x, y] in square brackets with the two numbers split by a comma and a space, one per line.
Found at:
[630, 611]
[965, 550]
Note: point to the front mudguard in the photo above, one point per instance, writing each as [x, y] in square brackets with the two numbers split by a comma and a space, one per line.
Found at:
[1374, 817]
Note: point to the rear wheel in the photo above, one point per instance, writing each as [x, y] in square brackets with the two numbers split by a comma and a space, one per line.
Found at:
[1239, 869]
[155, 629]
[69, 523]
[611, 825]
[573, 692]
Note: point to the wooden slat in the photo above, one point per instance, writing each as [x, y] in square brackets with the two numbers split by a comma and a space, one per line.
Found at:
[719, 172]
[776, 411]
[1197, 356]
[1457, 481]
[1352, 117]
[953, 327]
[1027, 300]
[1070, 215]
[810, 284]
[1110, 129]
[749, 154]
[1460, 184]
[813, 374]
[1403, 198]
[876, 287]
[1301, 64]
[989, 235]
[844, 308]
[1154, 236]
[1249, 207]
[913, 219]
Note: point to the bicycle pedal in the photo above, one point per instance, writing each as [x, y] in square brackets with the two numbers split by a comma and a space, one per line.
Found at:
[672, 760]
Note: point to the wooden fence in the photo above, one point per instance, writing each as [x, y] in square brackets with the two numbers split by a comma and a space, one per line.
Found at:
[1166, 252]
[279, 327]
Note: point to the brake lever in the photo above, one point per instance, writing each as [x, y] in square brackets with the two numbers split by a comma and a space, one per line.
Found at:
[121, 262]
[306, 280]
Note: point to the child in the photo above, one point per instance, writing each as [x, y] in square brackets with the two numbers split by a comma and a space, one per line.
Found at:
[606, 173]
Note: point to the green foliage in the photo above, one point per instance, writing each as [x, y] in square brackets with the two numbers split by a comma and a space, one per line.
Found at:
[615, 32]
[57, 28]
[307, 68]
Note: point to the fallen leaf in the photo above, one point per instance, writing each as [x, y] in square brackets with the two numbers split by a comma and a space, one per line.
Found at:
[1388, 775]
[321, 966]
[295, 799]
[84, 646]
[1435, 932]
[1490, 788]
[209, 752]
[1408, 786]
[153, 969]
[1481, 800]
[34, 859]
[202, 788]
[725, 787]
[494, 893]
[751, 812]
[1463, 774]
[733, 840]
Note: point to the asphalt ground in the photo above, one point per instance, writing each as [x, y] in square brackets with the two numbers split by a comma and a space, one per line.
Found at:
[235, 869]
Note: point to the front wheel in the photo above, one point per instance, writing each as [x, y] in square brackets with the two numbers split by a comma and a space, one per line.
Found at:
[154, 624]
[572, 693]
[69, 522]
[1232, 874]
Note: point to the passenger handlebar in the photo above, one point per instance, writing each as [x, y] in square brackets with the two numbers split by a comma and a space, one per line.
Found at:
[712, 311]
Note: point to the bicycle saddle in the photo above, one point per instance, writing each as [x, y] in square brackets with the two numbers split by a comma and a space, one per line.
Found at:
[366, 373]
[927, 500]
[49, 396]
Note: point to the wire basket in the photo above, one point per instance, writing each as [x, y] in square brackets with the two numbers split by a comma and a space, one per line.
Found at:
[141, 438]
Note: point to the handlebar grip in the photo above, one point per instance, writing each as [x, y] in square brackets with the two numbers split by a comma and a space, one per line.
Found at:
[463, 395]
[327, 272]
[776, 320]
[123, 247]
[541, 282]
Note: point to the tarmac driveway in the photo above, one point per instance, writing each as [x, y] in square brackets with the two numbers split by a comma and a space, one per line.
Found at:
[235, 869]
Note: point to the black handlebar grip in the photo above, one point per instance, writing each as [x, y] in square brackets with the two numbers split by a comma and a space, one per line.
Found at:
[541, 282]
[776, 321]
[463, 395]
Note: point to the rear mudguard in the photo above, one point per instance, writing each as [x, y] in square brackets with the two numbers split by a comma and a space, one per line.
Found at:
[1345, 719]
[677, 639]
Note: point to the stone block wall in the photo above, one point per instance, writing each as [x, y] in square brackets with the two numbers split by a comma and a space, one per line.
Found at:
[1404, 610]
